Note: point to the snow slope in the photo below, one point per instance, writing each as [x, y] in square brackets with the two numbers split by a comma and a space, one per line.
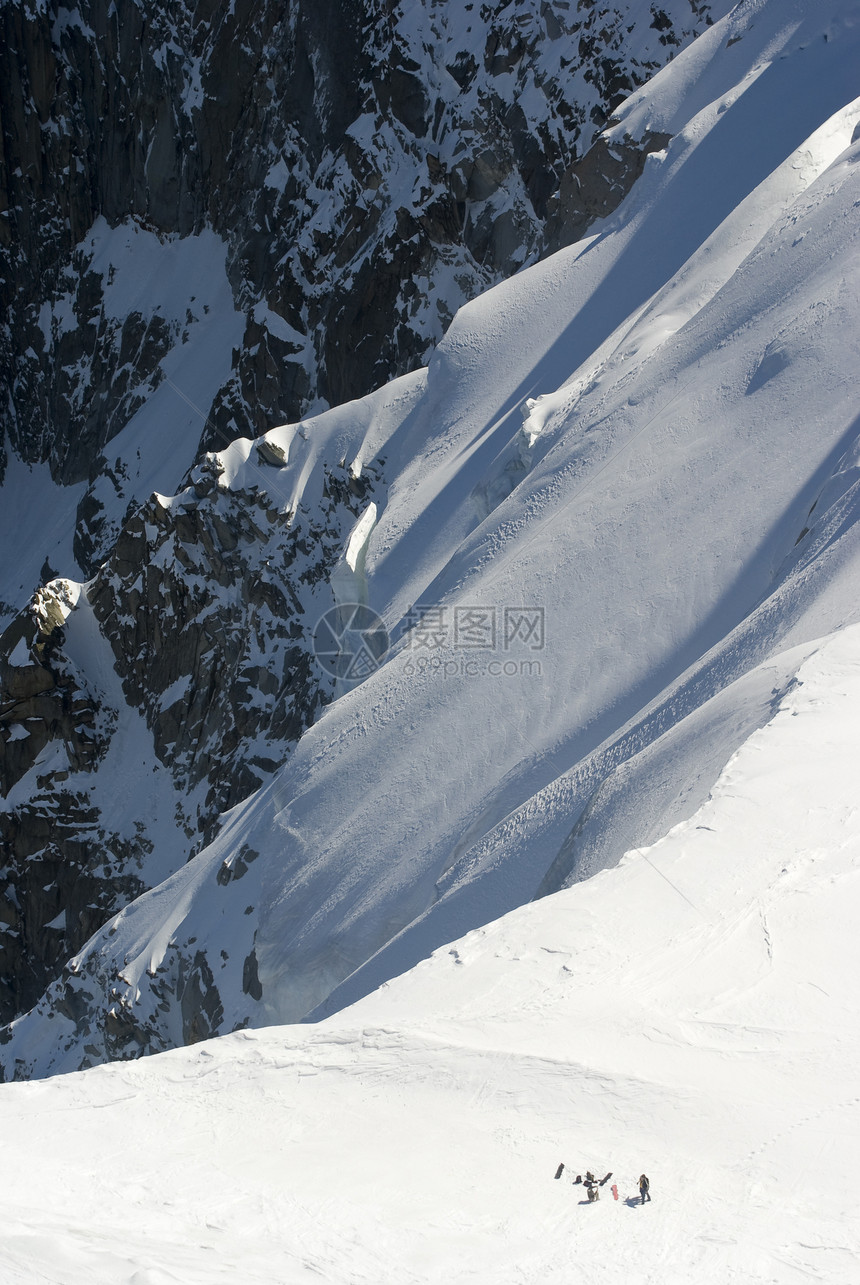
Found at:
[37, 520]
[692, 1012]
[657, 521]
[675, 517]
[183, 282]
[177, 287]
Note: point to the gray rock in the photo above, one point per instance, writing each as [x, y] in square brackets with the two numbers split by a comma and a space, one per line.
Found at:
[344, 164]
[266, 128]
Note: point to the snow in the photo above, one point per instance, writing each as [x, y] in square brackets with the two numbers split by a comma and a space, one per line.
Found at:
[132, 791]
[69, 18]
[184, 281]
[277, 175]
[356, 547]
[37, 520]
[59, 598]
[666, 493]
[277, 326]
[20, 653]
[679, 508]
[147, 273]
[692, 1013]
[652, 440]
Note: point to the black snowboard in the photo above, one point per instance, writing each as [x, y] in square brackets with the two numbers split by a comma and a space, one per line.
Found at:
[560, 1170]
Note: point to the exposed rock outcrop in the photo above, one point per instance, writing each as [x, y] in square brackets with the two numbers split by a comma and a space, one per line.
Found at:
[213, 219]
[64, 871]
[365, 170]
[204, 616]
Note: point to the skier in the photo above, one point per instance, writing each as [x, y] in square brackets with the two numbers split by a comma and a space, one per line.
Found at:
[592, 1185]
[644, 1188]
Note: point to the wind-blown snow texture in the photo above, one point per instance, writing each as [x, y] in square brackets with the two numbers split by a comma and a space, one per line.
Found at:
[692, 1013]
[659, 543]
[277, 209]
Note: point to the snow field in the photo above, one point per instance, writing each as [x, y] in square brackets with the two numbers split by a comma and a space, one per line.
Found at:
[687, 515]
[681, 502]
[692, 1013]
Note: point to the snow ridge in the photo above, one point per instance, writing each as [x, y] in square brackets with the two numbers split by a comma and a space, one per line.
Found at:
[586, 622]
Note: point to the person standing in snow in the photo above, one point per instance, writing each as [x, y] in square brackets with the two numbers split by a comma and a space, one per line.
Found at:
[644, 1188]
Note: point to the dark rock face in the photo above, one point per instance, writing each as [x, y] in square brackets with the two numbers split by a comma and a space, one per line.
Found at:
[350, 174]
[65, 876]
[64, 872]
[204, 612]
[206, 602]
[595, 186]
[368, 166]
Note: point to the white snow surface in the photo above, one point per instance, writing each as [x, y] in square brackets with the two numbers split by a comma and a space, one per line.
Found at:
[692, 1013]
[680, 506]
[183, 282]
[37, 523]
[694, 364]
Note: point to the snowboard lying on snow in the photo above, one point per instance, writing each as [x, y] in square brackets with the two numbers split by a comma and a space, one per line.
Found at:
[560, 1170]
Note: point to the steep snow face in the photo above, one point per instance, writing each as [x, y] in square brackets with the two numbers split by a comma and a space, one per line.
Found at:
[360, 177]
[138, 335]
[89, 817]
[589, 608]
[175, 291]
[203, 619]
[692, 1013]
[37, 520]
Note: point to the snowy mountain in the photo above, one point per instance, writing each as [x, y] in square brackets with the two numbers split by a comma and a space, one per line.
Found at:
[216, 217]
[212, 220]
[602, 531]
[692, 1013]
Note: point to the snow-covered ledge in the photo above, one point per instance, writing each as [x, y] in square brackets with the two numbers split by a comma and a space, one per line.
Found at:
[349, 585]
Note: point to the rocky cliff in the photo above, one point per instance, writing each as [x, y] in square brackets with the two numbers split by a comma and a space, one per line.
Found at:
[213, 219]
[361, 170]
